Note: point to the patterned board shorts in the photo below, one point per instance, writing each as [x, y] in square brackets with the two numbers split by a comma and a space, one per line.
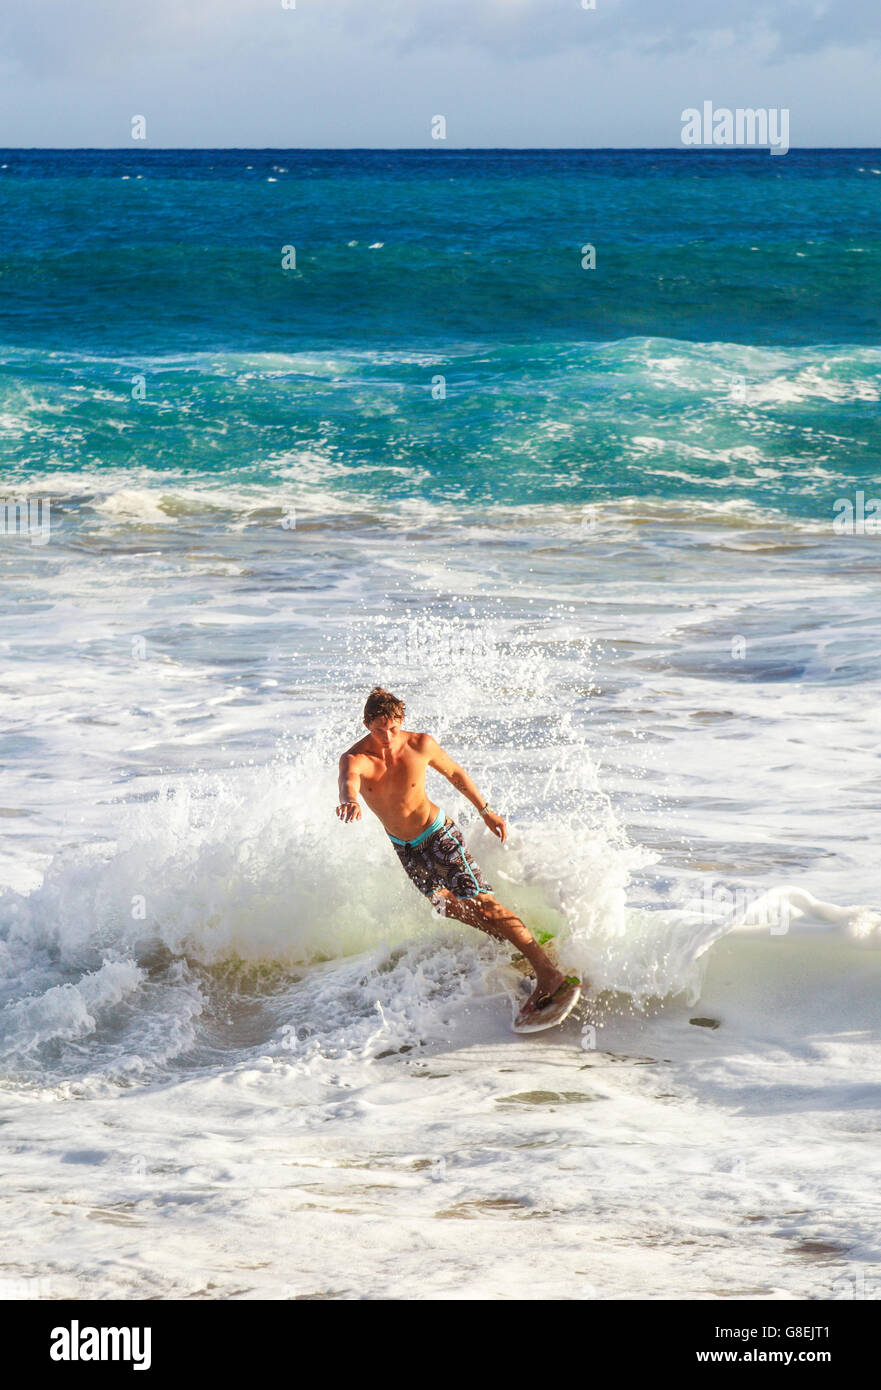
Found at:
[438, 859]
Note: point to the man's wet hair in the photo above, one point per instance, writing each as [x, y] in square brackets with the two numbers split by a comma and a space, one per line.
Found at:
[382, 704]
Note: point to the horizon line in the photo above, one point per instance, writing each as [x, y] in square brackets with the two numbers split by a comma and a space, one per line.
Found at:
[133, 148]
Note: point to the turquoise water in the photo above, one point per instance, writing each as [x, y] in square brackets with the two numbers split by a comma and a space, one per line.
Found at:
[725, 345]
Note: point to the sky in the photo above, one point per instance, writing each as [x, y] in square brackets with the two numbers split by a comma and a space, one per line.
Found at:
[374, 73]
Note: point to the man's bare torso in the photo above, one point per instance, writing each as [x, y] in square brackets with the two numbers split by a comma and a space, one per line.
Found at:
[393, 783]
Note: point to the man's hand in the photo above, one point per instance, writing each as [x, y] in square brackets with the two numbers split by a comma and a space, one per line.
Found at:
[348, 811]
[496, 825]
[443, 763]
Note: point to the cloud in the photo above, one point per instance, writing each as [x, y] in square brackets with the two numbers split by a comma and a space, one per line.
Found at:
[531, 28]
[46, 38]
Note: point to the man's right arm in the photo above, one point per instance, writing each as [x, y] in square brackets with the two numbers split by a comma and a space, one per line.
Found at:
[349, 786]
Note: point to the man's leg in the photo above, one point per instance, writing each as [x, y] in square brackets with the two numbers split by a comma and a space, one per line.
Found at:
[487, 914]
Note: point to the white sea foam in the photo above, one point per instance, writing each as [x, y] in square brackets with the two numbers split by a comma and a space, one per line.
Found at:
[228, 1020]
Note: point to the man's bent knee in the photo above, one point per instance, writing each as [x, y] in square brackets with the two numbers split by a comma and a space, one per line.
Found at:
[482, 911]
[448, 905]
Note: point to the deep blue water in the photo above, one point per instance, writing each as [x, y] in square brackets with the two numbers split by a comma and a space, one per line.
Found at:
[729, 334]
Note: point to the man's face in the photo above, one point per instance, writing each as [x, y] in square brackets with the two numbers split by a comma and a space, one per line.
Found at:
[385, 731]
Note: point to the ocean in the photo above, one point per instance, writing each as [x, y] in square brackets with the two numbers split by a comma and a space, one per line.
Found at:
[577, 453]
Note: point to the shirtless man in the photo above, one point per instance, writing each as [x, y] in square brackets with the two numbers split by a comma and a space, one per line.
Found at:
[387, 767]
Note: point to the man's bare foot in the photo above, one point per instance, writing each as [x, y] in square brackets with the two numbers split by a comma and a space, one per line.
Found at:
[549, 1005]
[548, 984]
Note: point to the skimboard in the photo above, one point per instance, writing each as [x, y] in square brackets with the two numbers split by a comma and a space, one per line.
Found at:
[551, 1009]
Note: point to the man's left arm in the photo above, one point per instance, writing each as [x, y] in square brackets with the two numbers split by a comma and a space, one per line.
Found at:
[441, 761]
